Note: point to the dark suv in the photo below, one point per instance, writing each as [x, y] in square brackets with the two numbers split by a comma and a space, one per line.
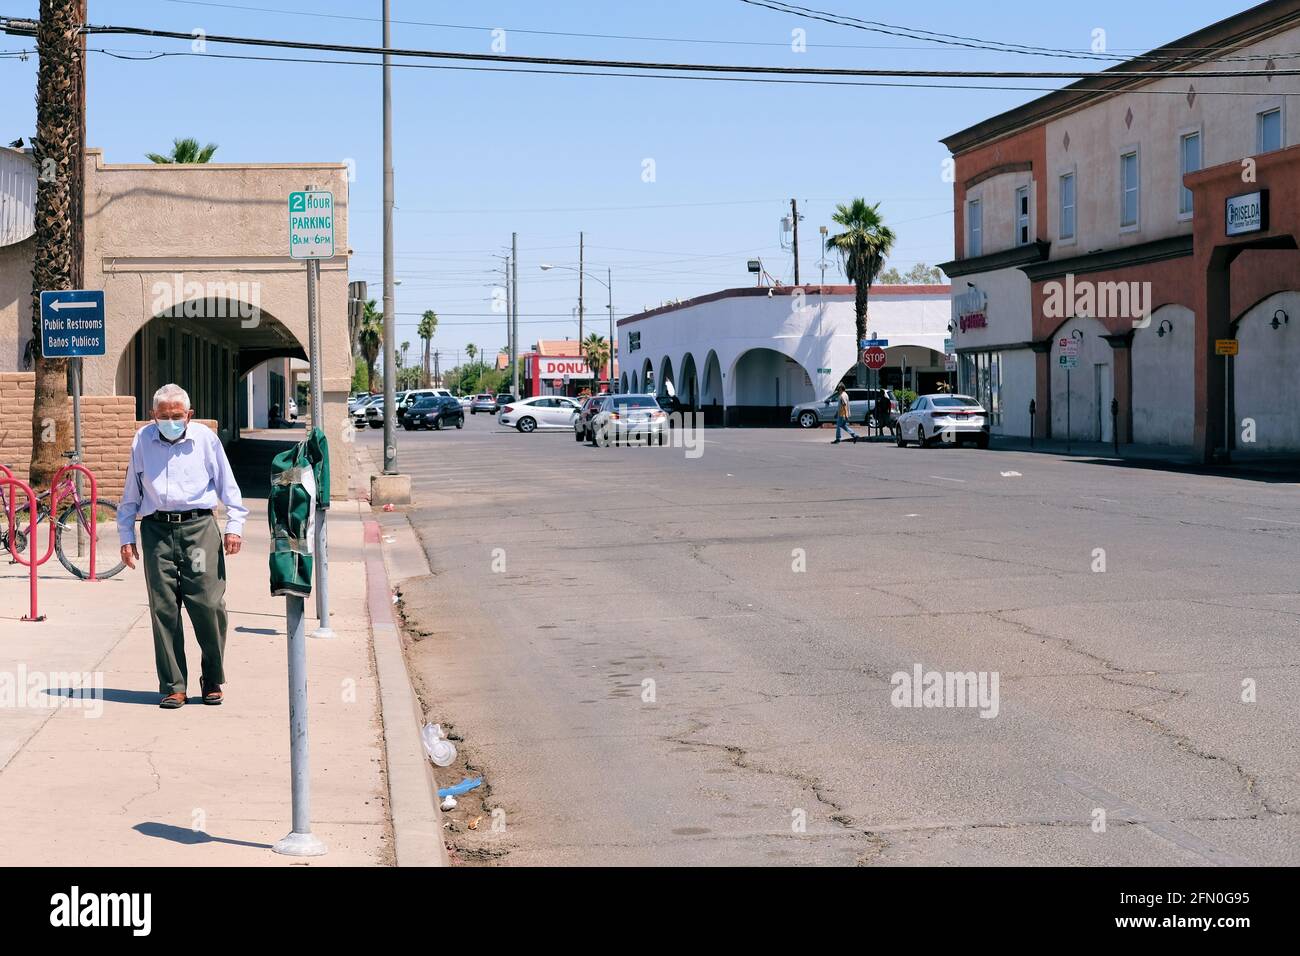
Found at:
[433, 411]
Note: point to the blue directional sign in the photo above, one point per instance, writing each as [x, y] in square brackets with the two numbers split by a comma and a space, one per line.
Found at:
[72, 323]
[875, 343]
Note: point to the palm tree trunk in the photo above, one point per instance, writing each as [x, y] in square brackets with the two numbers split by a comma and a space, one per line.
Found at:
[426, 364]
[860, 323]
[57, 152]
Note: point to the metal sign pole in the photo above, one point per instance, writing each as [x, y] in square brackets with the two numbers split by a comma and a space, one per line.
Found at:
[321, 544]
[300, 841]
[1067, 409]
[76, 446]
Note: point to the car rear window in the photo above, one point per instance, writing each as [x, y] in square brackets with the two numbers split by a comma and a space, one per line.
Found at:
[634, 401]
[954, 401]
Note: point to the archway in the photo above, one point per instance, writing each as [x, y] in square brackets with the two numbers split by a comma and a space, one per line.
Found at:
[666, 378]
[622, 382]
[206, 346]
[635, 385]
[712, 396]
[1263, 373]
[1089, 385]
[1163, 357]
[767, 384]
[688, 388]
[647, 377]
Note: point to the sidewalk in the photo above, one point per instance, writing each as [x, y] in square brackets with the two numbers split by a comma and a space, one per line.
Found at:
[119, 781]
[1243, 462]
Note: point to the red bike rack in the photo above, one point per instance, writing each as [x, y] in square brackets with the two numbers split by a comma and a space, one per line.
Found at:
[32, 563]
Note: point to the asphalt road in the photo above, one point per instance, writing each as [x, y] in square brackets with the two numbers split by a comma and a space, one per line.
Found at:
[664, 659]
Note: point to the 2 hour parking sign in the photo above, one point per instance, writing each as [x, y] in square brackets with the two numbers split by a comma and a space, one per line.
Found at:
[311, 224]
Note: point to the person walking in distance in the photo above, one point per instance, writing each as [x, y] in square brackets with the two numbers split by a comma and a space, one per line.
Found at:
[842, 414]
[177, 475]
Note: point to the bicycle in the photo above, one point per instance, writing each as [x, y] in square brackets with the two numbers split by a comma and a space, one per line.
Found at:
[72, 534]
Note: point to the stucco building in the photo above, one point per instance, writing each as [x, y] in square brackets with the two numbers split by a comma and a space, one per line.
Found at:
[747, 356]
[198, 284]
[1142, 218]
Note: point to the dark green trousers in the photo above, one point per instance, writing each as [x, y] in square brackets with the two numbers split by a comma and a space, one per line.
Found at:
[184, 564]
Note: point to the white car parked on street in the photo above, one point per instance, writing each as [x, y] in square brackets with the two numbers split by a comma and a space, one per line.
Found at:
[943, 418]
[540, 411]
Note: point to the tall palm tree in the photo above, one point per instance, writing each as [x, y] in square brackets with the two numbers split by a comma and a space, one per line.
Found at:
[595, 349]
[401, 359]
[428, 325]
[863, 246]
[370, 338]
[184, 151]
[56, 149]
[471, 350]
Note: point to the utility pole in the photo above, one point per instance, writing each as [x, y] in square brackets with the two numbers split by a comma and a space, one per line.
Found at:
[794, 222]
[609, 285]
[390, 307]
[437, 374]
[580, 268]
[514, 315]
[823, 230]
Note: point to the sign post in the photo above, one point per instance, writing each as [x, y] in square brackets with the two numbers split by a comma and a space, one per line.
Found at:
[72, 326]
[1227, 348]
[1069, 359]
[311, 237]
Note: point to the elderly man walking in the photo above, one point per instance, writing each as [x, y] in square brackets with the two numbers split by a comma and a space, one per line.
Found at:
[178, 475]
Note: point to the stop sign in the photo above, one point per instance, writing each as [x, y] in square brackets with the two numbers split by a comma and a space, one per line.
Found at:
[874, 358]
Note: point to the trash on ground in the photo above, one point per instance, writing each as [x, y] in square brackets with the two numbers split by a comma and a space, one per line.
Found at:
[473, 824]
[1012, 474]
[388, 507]
[448, 804]
[460, 789]
[440, 750]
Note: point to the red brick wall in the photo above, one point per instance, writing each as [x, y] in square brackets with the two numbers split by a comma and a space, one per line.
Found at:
[107, 427]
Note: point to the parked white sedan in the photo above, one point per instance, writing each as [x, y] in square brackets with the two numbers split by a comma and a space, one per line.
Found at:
[944, 418]
[540, 411]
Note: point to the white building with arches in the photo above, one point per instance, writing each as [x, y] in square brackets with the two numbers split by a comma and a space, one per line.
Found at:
[746, 356]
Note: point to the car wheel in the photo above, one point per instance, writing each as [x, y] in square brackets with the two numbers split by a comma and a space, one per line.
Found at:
[526, 425]
[437, 424]
[808, 420]
[406, 426]
[921, 440]
[898, 436]
[982, 441]
[577, 435]
[473, 410]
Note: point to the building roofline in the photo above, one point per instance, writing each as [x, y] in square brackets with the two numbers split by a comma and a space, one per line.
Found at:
[98, 153]
[1263, 20]
[882, 289]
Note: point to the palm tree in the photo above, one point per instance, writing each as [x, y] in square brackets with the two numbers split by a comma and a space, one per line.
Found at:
[185, 151]
[56, 148]
[401, 359]
[863, 246]
[595, 349]
[370, 338]
[428, 325]
[471, 350]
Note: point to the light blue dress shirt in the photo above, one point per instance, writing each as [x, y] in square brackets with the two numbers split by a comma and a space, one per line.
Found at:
[192, 472]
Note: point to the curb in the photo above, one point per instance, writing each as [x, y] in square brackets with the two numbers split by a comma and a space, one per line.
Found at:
[417, 821]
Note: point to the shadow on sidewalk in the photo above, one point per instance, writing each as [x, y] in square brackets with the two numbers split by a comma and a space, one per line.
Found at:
[112, 695]
[165, 831]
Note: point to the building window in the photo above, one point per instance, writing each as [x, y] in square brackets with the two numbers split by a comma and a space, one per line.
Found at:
[981, 378]
[1067, 206]
[974, 229]
[1190, 151]
[1268, 131]
[1022, 216]
[1128, 177]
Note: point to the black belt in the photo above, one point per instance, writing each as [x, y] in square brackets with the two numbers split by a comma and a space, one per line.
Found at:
[176, 517]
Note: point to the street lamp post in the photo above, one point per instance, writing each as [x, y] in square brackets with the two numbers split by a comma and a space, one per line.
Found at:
[608, 283]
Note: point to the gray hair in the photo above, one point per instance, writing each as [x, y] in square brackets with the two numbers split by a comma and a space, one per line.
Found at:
[171, 393]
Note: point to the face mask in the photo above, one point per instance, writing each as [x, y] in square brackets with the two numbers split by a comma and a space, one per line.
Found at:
[171, 430]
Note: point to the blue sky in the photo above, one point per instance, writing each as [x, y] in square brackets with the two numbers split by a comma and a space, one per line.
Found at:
[480, 154]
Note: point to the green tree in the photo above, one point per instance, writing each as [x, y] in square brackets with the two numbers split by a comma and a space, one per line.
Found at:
[471, 350]
[863, 246]
[370, 337]
[184, 151]
[359, 380]
[595, 350]
[56, 151]
[428, 325]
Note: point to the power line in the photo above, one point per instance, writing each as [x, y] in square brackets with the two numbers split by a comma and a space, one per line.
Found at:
[691, 68]
[1094, 94]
